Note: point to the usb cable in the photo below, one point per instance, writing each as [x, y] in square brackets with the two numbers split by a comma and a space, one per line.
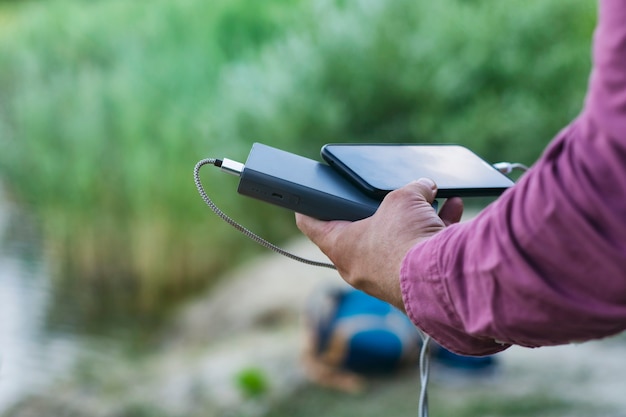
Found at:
[236, 168]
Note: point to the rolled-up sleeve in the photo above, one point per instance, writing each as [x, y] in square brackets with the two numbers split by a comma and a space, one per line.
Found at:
[546, 263]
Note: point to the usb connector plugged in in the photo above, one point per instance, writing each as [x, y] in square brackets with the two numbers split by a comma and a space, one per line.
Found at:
[507, 167]
[231, 167]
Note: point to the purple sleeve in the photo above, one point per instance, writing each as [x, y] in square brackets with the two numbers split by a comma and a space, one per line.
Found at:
[546, 263]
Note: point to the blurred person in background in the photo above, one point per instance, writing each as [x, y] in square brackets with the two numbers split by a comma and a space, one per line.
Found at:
[543, 265]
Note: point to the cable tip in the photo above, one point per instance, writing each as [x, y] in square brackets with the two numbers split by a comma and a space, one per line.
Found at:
[504, 167]
[218, 163]
[232, 167]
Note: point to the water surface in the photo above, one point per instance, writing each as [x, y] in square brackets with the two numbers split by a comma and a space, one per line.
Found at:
[31, 354]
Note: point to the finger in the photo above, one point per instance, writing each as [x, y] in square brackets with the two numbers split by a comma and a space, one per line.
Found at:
[451, 211]
[424, 187]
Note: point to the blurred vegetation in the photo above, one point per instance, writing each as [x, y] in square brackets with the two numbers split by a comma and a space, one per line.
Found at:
[398, 397]
[252, 382]
[106, 106]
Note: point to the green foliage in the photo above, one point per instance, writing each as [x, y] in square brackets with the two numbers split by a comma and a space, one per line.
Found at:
[107, 105]
[500, 77]
[105, 111]
[252, 382]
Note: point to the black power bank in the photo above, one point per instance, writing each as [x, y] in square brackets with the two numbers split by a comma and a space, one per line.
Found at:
[302, 185]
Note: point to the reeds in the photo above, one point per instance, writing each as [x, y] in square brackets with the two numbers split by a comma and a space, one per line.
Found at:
[106, 106]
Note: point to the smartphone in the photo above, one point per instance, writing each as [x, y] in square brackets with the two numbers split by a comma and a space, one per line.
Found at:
[302, 185]
[378, 169]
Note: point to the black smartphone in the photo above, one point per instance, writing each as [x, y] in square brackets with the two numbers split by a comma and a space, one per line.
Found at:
[378, 169]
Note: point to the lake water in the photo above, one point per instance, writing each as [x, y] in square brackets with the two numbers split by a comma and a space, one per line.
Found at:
[31, 354]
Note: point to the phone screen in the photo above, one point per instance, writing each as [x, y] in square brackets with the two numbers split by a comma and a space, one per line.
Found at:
[381, 168]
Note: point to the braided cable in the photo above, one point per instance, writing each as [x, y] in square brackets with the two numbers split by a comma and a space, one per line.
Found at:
[424, 357]
[242, 229]
[424, 364]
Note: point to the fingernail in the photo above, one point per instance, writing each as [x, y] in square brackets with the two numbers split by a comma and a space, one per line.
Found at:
[428, 182]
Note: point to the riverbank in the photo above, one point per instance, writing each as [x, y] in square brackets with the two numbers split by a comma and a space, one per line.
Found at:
[251, 322]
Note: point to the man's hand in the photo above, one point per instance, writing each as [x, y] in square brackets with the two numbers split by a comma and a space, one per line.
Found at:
[368, 253]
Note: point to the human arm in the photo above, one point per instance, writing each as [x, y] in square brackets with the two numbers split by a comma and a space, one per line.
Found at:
[544, 264]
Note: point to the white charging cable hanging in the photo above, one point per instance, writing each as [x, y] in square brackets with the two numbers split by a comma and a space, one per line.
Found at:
[424, 358]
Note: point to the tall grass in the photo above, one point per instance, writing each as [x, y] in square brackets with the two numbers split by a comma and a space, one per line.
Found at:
[106, 108]
[107, 105]
[501, 77]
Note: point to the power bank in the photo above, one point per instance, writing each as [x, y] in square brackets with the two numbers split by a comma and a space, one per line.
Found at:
[302, 185]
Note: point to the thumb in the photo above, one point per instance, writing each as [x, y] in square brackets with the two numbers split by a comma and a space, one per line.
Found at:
[426, 187]
[319, 231]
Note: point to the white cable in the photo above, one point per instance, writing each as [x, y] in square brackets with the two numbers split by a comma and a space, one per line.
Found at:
[424, 365]
[424, 358]
[508, 167]
[242, 229]
[424, 351]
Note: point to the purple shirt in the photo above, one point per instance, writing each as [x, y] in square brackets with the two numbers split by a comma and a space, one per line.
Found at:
[546, 263]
